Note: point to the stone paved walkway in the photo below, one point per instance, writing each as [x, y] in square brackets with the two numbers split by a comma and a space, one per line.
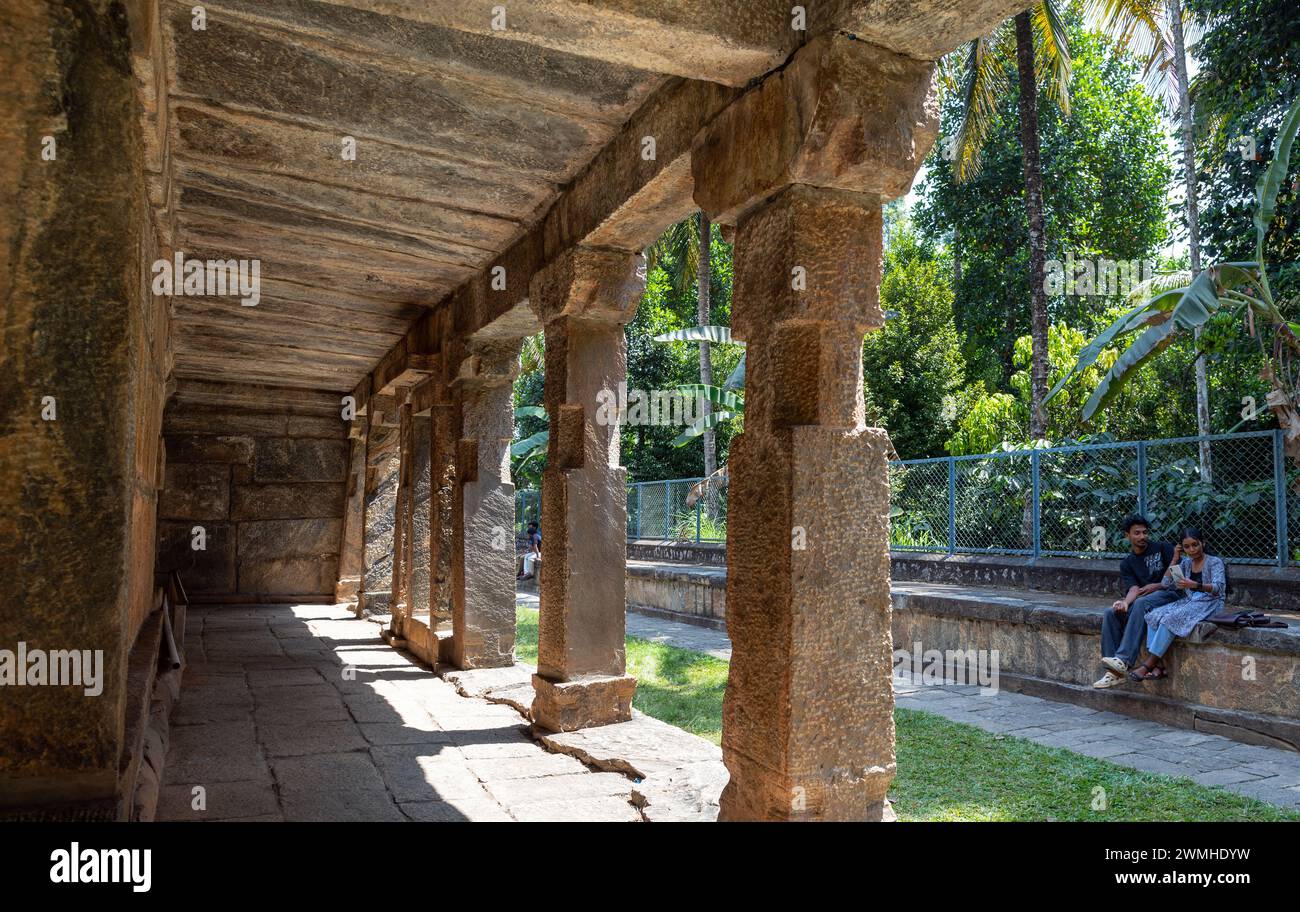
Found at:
[1266, 773]
[303, 713]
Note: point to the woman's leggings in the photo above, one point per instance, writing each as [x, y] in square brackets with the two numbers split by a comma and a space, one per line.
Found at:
[1159, 639]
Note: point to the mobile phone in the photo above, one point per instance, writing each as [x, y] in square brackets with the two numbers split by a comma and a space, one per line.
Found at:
[1176, 572]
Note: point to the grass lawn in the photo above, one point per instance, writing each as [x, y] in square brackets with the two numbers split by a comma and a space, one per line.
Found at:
[946, 770]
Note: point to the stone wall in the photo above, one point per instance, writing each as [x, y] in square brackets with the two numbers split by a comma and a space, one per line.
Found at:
[83, 362]
[265, 483]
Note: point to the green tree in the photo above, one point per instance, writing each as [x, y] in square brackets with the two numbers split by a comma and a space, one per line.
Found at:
[1036, 41]
[912, 366]
[1106, 180]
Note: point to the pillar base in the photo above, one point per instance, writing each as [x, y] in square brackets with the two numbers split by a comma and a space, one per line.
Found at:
[372, 603]
[347, 589]
[582, 703]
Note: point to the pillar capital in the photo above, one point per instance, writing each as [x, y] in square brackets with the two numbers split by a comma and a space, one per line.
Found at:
[844, 114]
[589, 284]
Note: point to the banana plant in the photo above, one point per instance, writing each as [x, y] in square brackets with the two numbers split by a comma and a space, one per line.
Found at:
[533, 445]
[1240, 290]
[728, 398]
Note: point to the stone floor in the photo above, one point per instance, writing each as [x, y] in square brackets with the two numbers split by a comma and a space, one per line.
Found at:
[1269, 774]
[303, 713]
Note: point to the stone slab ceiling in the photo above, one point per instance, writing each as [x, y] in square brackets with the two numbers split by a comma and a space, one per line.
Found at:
[462, 141]
[465, 137]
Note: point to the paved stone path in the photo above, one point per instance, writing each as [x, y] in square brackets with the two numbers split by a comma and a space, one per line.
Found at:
[272, 725]
[1266, 773]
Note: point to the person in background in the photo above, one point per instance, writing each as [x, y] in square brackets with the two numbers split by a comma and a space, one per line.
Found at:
[1124, 622]
[532, 552]
[1203, 578]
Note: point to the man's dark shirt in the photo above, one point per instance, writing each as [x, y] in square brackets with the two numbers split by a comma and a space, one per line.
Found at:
[1147, 567]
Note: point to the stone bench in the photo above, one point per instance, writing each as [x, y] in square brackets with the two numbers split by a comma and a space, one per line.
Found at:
[1244, 684]
[1264, 588]
[680, 592]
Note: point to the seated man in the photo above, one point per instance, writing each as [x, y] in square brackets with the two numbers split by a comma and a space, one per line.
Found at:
[1124, 623]
[531, 553]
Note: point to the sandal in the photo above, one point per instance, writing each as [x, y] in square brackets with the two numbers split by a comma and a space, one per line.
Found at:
[1142, 673]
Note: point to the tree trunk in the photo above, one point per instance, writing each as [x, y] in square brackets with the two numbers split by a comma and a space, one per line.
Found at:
[1193, 221]
[1034, 210]
[956, 267]
[704, 277]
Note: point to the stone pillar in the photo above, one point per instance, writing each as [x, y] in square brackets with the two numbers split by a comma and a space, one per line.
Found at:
[808, 727]
[443, 478]
[399, 603]
[419, 587]
[352, 540]
[583, 299]
[483, 555]
[382, 466]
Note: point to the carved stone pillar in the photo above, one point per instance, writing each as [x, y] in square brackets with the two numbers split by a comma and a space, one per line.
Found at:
[801, 165]
[483, 554]
[382, 466]
[584, 298]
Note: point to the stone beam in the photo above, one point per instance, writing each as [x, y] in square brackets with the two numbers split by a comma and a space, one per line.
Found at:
[923, 29]
[584, 299]
[843, 114]
[728, 41]
[802, 164]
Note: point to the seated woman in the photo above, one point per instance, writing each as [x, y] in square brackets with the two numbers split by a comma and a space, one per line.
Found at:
[1203, 579]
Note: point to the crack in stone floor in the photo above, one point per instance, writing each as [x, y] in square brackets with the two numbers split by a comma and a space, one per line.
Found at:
[302, 713]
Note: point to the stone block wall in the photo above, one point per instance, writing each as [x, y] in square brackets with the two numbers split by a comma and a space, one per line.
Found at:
[264, 478]
[83, 369]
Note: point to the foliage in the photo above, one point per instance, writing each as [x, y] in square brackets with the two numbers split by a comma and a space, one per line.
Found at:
[912, 366]
[710, 528]
[649, 452]
[1106, 175]
[1234, 291]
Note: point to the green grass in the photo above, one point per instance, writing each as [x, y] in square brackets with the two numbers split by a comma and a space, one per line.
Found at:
[946, 770]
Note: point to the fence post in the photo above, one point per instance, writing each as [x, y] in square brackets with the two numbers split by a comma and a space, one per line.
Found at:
[697, 521]
[1142, 479]
[1279, 486]
[952, 505]
[668, 514]
[1036, 544]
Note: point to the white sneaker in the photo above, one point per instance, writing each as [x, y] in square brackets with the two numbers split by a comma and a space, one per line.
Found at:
[1109, 679]
[1116, 665]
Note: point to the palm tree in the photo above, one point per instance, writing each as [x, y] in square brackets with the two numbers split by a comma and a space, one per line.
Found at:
[1036, 41]
[685, 250]
[1155, 30]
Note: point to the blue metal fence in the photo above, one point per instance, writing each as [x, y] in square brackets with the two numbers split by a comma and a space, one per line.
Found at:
[1070, 501]
[1059, 501]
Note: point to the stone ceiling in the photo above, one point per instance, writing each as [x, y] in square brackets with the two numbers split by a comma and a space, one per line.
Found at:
[466, 137]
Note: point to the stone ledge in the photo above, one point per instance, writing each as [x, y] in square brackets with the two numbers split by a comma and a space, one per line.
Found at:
[1261, 587]
[679, 776]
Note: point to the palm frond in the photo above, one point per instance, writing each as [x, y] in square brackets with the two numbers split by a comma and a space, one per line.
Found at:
[1052, 50]
[987, 78]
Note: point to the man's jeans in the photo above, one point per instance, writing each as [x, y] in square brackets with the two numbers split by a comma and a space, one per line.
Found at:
[1121, 634]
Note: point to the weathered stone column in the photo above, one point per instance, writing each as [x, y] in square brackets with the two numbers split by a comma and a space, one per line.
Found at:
[399, 603]
[583, 299]
[352, 541]
[808, 727]
[483, 556]
[382, 466]
[443, 478]
[419, 586]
